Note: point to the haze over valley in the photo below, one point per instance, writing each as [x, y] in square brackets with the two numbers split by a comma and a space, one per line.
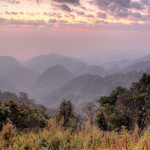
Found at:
[51, 78]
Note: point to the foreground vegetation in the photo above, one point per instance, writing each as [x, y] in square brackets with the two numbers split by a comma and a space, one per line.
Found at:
[121, 122]
[57, 137]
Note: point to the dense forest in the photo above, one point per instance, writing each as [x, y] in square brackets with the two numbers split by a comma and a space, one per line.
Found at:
[121, 121]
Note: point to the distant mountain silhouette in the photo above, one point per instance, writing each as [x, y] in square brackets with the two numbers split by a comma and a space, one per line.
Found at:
[43, 62]
[7, 63]
[138, 66]
[75, 66]
[93, 70]
[115, 65]
[90, 87]
[50, 78]
[53, 78]
[146, 58]
[6, 86]
[21, 76]
[16, 74]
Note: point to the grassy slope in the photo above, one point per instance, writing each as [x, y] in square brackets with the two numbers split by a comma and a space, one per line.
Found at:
[55, 137]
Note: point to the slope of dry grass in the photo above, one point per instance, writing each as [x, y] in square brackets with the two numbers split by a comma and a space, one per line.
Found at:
[55, 137]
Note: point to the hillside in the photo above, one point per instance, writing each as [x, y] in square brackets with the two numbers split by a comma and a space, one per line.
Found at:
[43, 62]
[7, 63]
[53, 78]
[94, 70]
[20, 76]
[87, 88]
[138, 66]
[6, 86]
[111, 125]
[23, 98]
[15, 74]
[146, 58]
[115, 65]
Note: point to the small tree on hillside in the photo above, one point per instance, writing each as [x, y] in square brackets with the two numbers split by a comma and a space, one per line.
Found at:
[66, 112]
[90, 110]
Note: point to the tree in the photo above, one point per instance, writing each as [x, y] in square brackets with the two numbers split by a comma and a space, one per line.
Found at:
[90, 110]
[22, 116]
[101, 121]
[109, 117]
[23, 97]
[66, 112]
[136, 102]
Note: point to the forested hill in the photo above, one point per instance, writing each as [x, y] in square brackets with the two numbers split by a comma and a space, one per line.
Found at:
[87, 88]
[22, 98]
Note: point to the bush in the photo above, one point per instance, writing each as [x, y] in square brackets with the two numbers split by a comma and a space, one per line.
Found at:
[8, 134]
[22, 116]
[54, 145]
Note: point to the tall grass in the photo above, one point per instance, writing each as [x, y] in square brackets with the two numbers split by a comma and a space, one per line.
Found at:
[87, 137]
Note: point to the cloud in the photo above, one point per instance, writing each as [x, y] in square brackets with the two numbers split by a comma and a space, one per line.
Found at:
[122, 8]
[63, 21]
[136, 15]
[65, 7]
[82, 17]
[14, 13]
[54, 14]
[89, 16]
[35, 23]
[76, 2]
[4, 21]
[52, 21]
[101, 15]
[98, 25]
[38, 1]
[11, 1]
[137, 5]
[80, 13]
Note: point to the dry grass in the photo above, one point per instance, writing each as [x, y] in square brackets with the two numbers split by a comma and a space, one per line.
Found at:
[55, 137]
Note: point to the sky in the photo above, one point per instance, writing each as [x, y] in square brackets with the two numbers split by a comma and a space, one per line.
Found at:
[80, 28]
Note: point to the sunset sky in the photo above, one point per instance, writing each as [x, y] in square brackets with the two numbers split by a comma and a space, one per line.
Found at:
[73, 26]
[74, 14]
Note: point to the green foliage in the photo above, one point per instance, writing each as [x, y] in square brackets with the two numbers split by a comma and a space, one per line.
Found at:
[22, 116]
[126, 107]
[136, 102]
[66, 113]
[109, 116]
[55, 143]
[112, 98]
[22, 98]
[101, 122]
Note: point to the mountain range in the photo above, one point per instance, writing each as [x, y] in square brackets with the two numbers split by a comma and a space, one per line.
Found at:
[50, 78]
[74, 65]
[88, 87]
[138, 66]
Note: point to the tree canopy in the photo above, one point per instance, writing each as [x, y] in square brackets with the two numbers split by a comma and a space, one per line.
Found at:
[22, 116]
[125, 107]
[136, 102]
